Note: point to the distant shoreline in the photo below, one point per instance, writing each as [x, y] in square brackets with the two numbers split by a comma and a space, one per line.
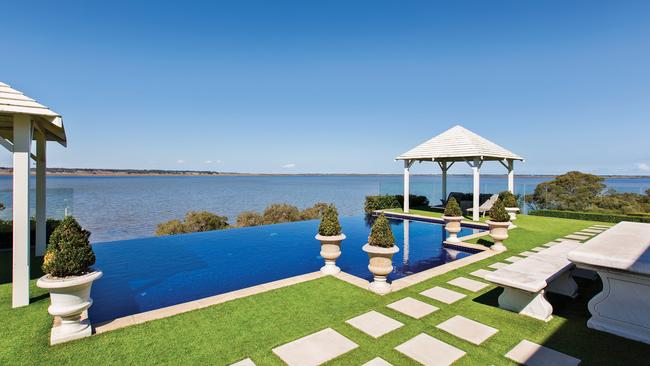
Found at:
[88, 172]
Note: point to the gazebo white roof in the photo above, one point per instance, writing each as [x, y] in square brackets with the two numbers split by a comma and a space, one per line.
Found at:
[458, 143]
[13, 101]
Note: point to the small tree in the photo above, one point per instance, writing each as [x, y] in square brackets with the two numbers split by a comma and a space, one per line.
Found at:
[249, 218]
[498, 212]
[69, 252]
[281, 212]
[381, 235]
[508, 199]
[197, 221]
[329, 224]
[171, 227]
[314, 212]
[452, 208]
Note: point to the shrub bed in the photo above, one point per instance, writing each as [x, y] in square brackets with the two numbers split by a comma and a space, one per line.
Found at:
[387, 201]
[590, 216]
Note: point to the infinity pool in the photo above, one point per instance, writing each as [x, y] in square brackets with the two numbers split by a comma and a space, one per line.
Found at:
[151, 273]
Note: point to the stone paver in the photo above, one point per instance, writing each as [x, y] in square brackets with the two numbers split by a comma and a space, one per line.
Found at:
[532, 354]
[552, 243]
[498, 265]
[315, 349]
[537, 249]
[513, 259]
[585, 233]
[600, 227]
[429, 351]
[576, 237]
[412, 307]
[246, 362]
[526, 254]
[480, 273]
[374, 324]
[468, 284]
[377, 361]
[593, 231]
[442, 294]
[467, 329]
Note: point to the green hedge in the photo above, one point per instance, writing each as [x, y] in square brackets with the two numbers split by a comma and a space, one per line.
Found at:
[590, 216]
[386, 201]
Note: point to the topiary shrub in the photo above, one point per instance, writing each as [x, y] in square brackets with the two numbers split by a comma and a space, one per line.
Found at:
[197, 221]
[314, 212]
[508, 199]
[381, 235]
[498, 212]
[329, 224]
[69, 252]
[452, 208]
[281, 212]
[171, 227]
[249, 218]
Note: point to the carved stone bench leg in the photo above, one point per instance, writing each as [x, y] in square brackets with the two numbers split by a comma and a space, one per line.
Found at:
[532, 304]
[564, 285]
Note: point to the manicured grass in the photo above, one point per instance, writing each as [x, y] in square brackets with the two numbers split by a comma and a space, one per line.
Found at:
[251, 327]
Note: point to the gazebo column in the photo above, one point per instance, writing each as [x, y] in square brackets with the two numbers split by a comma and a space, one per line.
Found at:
[407, 183]
[476, 169]
[21, 248]
[511, 176]
[443, 167]
[41, 228]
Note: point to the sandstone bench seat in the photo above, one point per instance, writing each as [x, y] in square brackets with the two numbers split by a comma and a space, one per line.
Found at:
[526, 281]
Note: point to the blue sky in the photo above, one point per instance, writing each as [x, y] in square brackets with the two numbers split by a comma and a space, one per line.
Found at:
[335, 86]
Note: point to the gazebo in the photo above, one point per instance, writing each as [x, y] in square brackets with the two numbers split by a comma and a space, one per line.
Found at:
[23, 120]
[458, 144]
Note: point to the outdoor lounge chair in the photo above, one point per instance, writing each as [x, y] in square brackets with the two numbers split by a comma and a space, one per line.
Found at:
[486, 206]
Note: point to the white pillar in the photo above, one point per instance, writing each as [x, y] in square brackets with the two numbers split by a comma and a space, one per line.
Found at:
[405, 258]
[407, 165]
[476, 170]
[41, 236]
[443, 166]
[21, 247]
[511, 176]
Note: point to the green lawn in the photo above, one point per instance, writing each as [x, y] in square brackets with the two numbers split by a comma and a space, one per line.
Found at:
[251, 327]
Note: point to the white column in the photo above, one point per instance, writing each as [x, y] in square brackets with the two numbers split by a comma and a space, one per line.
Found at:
[21, 249]
[405, 258]
[511, 176]
[407, 166]
[41, 236]
[443, 166]
[476, 170]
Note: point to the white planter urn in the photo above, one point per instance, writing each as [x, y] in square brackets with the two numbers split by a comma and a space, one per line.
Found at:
[499, 233]
[381, 265]
[512, 211]
[452, 225]
[330, 250]
[70, 297]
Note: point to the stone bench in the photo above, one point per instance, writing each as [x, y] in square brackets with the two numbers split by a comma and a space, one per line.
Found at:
[526, 281]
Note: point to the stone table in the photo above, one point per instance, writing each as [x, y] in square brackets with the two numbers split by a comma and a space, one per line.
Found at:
[621, 257]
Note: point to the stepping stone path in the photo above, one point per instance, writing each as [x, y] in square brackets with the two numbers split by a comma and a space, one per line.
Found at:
[374, 324]
[377, 361]
[532, 354]
[550, 244]
[315, 349]
[498, 265]
[526, 254]
[467, 329]
[442, 294]
[246, 362]
[412, 307]
[468, 284]
[513, 259]
[537, 249]
[593, 231]
[585, 233]
[481, 273]
[576, 237]
[429, 351]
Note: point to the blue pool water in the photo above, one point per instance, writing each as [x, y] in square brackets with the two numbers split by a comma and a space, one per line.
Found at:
[151, 273]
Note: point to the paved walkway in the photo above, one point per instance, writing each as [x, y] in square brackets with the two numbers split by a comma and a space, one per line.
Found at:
[425, 349]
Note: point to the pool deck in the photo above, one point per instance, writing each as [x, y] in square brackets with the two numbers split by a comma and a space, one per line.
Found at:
[398, 284]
